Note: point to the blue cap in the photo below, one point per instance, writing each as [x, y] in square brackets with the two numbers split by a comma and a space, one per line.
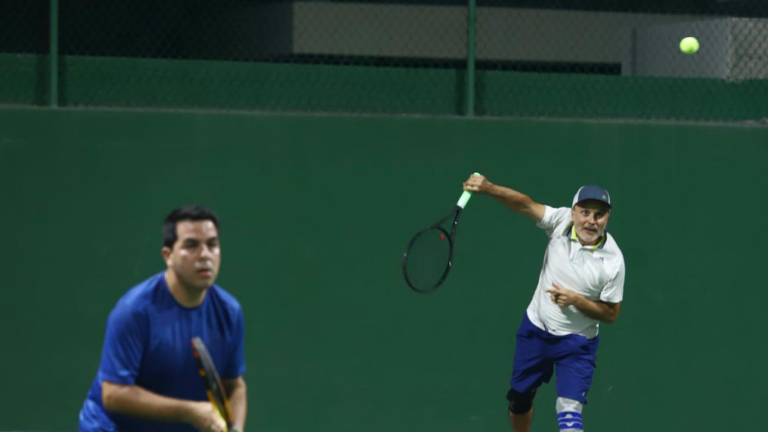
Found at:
[592, 192]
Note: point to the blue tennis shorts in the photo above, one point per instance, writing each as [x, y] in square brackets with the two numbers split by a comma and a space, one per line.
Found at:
[538, 354]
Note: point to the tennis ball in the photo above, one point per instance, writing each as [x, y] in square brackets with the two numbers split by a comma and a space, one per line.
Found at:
[689, 45]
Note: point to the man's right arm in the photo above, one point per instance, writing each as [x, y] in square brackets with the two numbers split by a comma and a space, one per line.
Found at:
[136, 401]
[517, 201]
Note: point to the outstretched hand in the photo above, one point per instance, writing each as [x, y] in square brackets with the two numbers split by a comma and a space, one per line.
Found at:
[476, 183]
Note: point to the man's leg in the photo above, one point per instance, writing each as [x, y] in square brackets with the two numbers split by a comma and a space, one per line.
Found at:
[520, 410]
[569, 417]
[574, 378]
[532, 367]
[521, 422]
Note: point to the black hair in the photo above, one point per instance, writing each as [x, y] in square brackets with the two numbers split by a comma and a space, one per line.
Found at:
[186, 213]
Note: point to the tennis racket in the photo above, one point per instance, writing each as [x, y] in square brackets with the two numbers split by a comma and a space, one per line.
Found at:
[429, 255]
[213, 385]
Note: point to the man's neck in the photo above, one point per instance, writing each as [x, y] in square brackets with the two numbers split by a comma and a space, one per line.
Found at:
[185, 296]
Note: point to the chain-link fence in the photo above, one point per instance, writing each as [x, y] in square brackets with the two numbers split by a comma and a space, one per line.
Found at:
[622, 59]
[23, 48]
[594, 59]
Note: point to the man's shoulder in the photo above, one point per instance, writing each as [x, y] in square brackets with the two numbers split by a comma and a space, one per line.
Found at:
[225, 297]
[555, 219]
[133, 310]
[225, 306]
[558, 213]
[612, 251]
[141, 294]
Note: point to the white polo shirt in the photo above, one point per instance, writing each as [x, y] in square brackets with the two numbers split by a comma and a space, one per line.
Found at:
[595, 272]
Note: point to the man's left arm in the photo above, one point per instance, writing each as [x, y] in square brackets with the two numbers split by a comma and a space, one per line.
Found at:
[238, 401]
[596, 309]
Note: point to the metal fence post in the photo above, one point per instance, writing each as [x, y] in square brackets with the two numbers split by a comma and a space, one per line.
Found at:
[471, 43]
[53, 55]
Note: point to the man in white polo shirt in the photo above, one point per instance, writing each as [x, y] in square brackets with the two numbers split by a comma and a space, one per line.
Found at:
[581, 284]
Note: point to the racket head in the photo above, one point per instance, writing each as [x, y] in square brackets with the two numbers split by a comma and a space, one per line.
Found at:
[428, 259]
[213, 385]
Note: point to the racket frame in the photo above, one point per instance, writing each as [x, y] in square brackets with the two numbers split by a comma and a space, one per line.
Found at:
[214, 387]
[450, 236]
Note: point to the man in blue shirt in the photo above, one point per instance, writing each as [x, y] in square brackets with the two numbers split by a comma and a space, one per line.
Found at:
[148, 379]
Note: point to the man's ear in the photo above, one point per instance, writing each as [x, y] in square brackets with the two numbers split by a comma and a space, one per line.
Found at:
[165, 252]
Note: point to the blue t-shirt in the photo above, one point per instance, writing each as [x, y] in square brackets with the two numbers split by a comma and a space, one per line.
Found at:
[148, 344]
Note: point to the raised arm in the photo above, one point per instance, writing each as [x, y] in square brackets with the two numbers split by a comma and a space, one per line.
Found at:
[517, 201]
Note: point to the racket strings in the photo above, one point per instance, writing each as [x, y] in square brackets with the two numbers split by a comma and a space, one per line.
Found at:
[428, 259]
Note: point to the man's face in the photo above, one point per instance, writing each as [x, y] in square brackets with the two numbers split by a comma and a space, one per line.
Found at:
[590, 219]
[196, 256]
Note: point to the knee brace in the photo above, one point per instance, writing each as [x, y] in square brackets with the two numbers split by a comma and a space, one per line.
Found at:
[569, 415]
[520, 403]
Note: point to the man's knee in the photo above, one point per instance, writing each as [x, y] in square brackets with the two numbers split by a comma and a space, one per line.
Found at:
[520, 403]
[569, 415]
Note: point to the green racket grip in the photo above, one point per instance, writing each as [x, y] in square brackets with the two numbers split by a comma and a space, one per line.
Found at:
[464, 199]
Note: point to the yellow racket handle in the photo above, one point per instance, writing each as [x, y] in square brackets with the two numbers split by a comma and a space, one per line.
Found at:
[216, 407]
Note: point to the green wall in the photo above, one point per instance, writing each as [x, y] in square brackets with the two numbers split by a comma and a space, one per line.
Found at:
[287, 87]
[316, 211]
